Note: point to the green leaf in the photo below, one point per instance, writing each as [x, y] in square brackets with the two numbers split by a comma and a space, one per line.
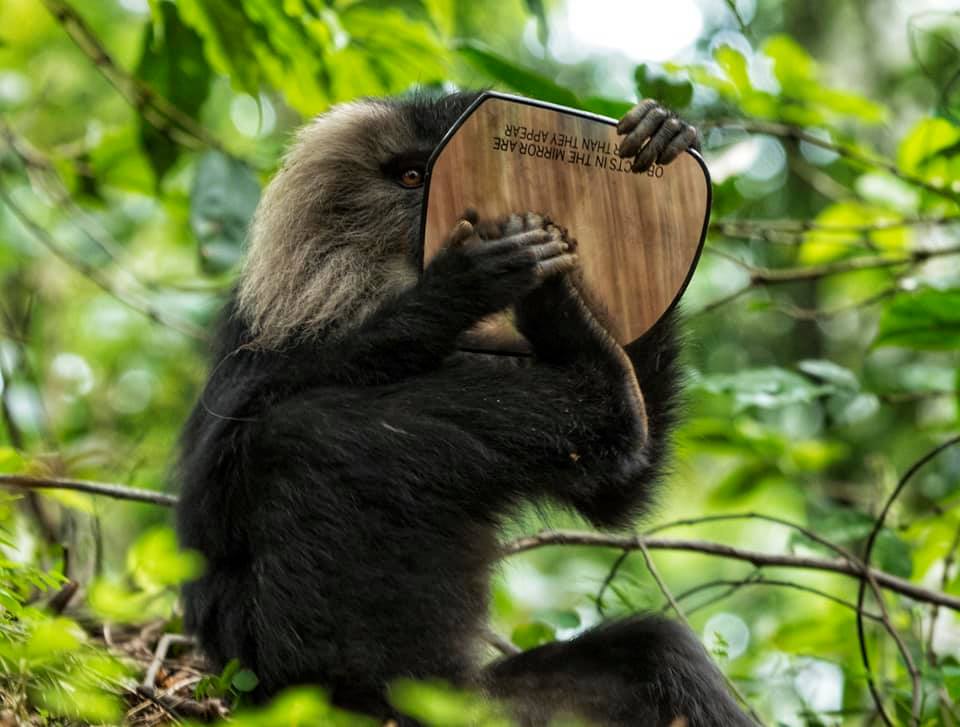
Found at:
[407, 52]
[533, 634]
[927, 320]
[244, 681]
[156, 561]
[838, 232]
[766, 388]
[675, 94]
[951, 679]
[850, 408]
[928, 138]
[734, 65]
[830, 373]
[174, 66]
[438, 705]
[798, 75]
[537, 9]
[90, 703]
[10, 460]
[227, 41]
[118, 161]
[605, 106]
[51, 637]
[892, 554]
[846, 527]
[224, 196]
[443, 13]
[518, 78]
[742, 481]
[112, 602]
[792, 65]
[560, 619]
[851, 104]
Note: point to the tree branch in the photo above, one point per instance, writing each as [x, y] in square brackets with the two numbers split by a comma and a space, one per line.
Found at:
[154, 108]
[795, 231]
[853, 154]
[95, 275]
[117, 492]
[761, 277]
[757, 558]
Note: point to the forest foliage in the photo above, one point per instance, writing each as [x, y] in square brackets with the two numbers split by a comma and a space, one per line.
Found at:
[823, 329]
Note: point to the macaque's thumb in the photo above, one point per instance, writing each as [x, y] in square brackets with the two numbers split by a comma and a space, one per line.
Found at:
[461, 233]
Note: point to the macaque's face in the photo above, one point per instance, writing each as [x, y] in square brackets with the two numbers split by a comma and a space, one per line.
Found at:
[372, 159]
[338, 227]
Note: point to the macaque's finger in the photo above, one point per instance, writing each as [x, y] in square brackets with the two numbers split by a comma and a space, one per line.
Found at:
[515, 242]
[557, 265]
[489, 229]
[513, 225]
[635, 115]
[549, 249]
[643, 131]
[522, 222]
[461, 233]
[658, 142]
[535, 221]
[686, 139]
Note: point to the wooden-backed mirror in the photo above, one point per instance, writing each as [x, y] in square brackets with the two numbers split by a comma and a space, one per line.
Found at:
[639, 235]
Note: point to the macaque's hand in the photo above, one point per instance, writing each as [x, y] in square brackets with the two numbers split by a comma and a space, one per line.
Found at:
[652, 134]
[495, 263]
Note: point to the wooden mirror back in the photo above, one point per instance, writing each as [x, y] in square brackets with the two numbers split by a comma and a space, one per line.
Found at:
[639, 235]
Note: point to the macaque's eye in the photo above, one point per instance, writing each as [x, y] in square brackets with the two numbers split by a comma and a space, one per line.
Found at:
[411, 178]
[409, 168]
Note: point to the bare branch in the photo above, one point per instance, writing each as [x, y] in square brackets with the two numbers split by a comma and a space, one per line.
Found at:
[795, 231]
[757, 558]
[117, 492]
[756, 578]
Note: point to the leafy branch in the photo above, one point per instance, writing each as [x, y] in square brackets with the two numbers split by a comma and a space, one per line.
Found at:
[151, 106]
[851, 153]
[95, 275]
[763, 277]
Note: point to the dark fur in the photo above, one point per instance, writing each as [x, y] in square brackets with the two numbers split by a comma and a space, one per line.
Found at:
[346, 491]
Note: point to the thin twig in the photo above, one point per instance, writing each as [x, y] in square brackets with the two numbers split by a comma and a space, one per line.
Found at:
[94, 275]
[944, 580]
[499, 642]
[611, 574]
[861, 593]
[668, 594]
[117, 492]
[156, 110]
[163, 645]
[735, 11]
[756, 578]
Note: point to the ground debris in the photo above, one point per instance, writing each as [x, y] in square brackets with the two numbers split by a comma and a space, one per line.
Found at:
[175, 667]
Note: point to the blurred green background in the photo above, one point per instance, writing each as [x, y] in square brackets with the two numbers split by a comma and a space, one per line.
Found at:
[823, 320]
